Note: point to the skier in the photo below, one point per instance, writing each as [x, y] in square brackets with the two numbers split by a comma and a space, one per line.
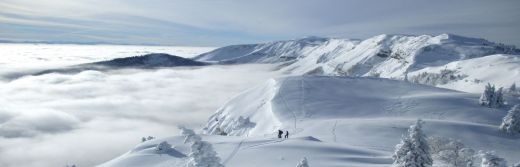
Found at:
[280, 132]
[286, 134]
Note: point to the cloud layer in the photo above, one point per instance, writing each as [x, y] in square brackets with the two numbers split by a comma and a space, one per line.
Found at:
[217, 23]
[58, 119]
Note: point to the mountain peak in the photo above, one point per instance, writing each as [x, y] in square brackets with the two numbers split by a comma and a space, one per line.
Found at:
[459, 39]
[313, 38]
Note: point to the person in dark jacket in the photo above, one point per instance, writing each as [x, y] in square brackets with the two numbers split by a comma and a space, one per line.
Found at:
[286, 134]
[280, 132]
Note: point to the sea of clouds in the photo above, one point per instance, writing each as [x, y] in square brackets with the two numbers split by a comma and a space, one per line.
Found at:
[92, 116]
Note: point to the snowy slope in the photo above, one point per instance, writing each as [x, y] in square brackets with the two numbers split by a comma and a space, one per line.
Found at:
[334, 121]
[391, 56]
[386, 56]
[274, 52]
[473, 74]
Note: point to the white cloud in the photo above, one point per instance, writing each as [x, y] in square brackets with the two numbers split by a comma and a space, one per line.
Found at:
[38, 121]
[55, 119]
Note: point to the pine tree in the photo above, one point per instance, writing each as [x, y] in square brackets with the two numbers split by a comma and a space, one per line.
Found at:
[163, 147]
[189, 134]
[450, 151]
[202, 153]
[492, 98]
[511, 122]
[303, 163]
[512, 89]
[413, 151]
[486, 99]
[490, 159]
[499, 99]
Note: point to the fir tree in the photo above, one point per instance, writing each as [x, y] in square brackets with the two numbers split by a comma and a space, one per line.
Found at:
[499, 99]
[413, 151]
[202, 153]
[163, 147]
[512, 89]
[491, 97]
[511, 122]
[486, 99]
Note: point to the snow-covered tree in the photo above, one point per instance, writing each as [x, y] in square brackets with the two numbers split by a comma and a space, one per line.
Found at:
[512, 88]
[303, 163]
[487, 96]
[143, 139]
[189, 135]
[450, 152]
[202, 153]
[490, 159]
[511, 122]
[499, 97]
[491, 97]
[163, 147]
[443, 77]
[413, 151]
[150, 138]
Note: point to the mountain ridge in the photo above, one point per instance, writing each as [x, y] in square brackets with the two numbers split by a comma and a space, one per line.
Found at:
[386, 56]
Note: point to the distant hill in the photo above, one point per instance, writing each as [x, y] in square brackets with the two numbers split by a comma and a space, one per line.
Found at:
[148, 61]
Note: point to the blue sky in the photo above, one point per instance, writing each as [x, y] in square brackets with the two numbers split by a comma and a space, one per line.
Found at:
[224, 22]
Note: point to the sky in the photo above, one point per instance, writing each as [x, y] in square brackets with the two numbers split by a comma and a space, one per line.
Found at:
[225, 22]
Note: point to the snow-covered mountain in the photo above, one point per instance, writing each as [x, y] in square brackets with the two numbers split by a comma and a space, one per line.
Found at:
[472, 74]
[344, 103]
[272, 52]
[334, 121]
[149, 61]
[386, 56]
[152, 60]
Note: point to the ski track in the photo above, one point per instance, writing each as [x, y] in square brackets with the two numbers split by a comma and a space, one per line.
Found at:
[265, 143]
[287, 106]
[334, 131]
[399, 106]
[380, 148]
[235, 151]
